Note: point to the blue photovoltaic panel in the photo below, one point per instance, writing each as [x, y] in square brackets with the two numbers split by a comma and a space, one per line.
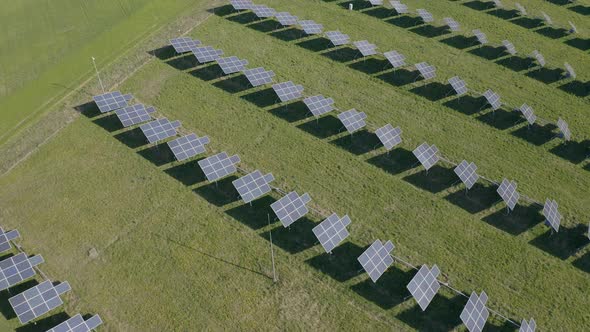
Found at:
[458, 85]
[286, 19]
[493, 99]
[132, 115]
[570, 72]
[206, 54]
[78, 324]
[184, 44]
[319, 105]
[452, 24]
[507, 190]
[17, 268]
[520, 9]
[399, 7]
[337, 38]
[539, 57]
[528, 113]
[6, 237]
[564, 128]
[426, 70]
[509, 47]
[425, 15]
[529, 326]
[111, 101]
[376, 259]
[366, 48]
[38, 300]
[424, 285]
[232, 64]
[291, 207]
[263, 11]
[551, 214]
[160, 129]
[481, 37]
[390, 137]
[395, 59]
[310, 27]
[287, 90]
[376, 2]
[353, 120]
[259, 76]
[188, 146]
[219, 166]
[253, 185]
[466, 172]
[475, 314]
[427, 155]
[332, 231]
[241, 4]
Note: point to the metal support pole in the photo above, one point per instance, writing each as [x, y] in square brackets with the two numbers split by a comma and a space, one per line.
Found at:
[97, 74]
[272, 254]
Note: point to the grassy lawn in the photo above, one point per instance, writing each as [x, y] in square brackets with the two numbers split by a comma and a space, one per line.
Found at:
[177, 253]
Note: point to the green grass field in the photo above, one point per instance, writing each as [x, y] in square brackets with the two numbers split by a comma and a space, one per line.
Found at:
[177, 253]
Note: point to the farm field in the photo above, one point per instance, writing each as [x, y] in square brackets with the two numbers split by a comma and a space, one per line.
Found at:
[178, 253]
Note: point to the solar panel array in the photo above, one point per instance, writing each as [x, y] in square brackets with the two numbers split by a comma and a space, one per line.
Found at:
[188, 146]
[6, 237]
[395, 59]
[529, 326]
[475, 314]
[424, 285]
[184, 44]
[493, 99]
[263, 11]
[399, 7]
[286, 19]
[427, 155]
[498, 4]
[573, 28]
[288, 90]
[159, 129]
[551, 214]
[310, 27]
[509, 47]
[253, 185]
[17, 268]
[458, 85]
[425, 15]
[481, 37]
[452, 24]
[507, 190]
[337, 38]
[111, 101]
[528, 113]
[376, 2]
[319, 105]
[366, 48]
[78, 324]
[564, 128]
[376, 259]
[232, 64]
[259, 76]
[546, 18]
[467, 173]
[539, 57]
[206, 54]
[353, 120]
[426, 70]
[219, 166]
[390, 137]
[291, 207]
[132, 115]
[241, 4]
[571, 73]
[520, 9]
[332, 231]
[38, 300]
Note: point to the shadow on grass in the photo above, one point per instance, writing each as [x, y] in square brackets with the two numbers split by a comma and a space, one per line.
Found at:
[342, 264]
[89, 110]
[441, 315]
[401, 77]
[547, 75]
[344, 54]
[243, 18]
[563, 244]
[380, 12]
[488, 52]
[480, 197]
[164, 52]
[460, 42]
[322, 128]
[133, 138]
[256, 215]
[389, 291]
[466, 104]
[479, 5]
[359, 143]
[574, 152]
[262, 98]
[501, 119]
[580, 9]
[110, 122]
[44, 324]
[528, 23]
[519, 220]
[188, 173]
[266, 26]
[536, 134]
[553, 33]
[293, 112]
[295, 238]
[395, 162]
[6, 294]
[219, 193]
[583, 263]
[579, 43]
[370, 66]
[208, 73]
[158, 155]
[185, 62]
[405, 22]
[289, 34]
[437, 179]
[516, 63]
[318, 44]
[234, 84]
[434, 91]
[356, 4]
[430, 31]
[577, 88]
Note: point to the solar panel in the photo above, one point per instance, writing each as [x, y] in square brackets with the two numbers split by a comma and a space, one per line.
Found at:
[376, 259]
[424, 285]
[427, 71]
[338, 38]
[366, 48]
[219, 166]
[332, 231]
[319, 105]
[493, 99]
[399, 7]
[528, 113]
[507, 190]
[509, 47]
[38, 300]
[551, 214]
[353, 120]
[286, 19]
[452, 24]
[427, 155]
[111, 101]
[569, 70]
[6, 237]
[481, 37]
[310, 27]
[78, 324]
[132, 115]
[498, 4]
[232, 64]
[573, 28]
[259, 76]
[183, 44]
[458, 85]
[467, 173]
[529, 326]
[425, 15]
[564, 128]
[253, 185]
[390, 137]
[539, 57]
[475, 314]
[288, 90]
[395, 59]
[376, 2]
[160, 129]
[546, 18]
[291, 207]
[206, 54]
[188, 146]
[520, 9]
[17, 268]
[241, 4]
[262, 11]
